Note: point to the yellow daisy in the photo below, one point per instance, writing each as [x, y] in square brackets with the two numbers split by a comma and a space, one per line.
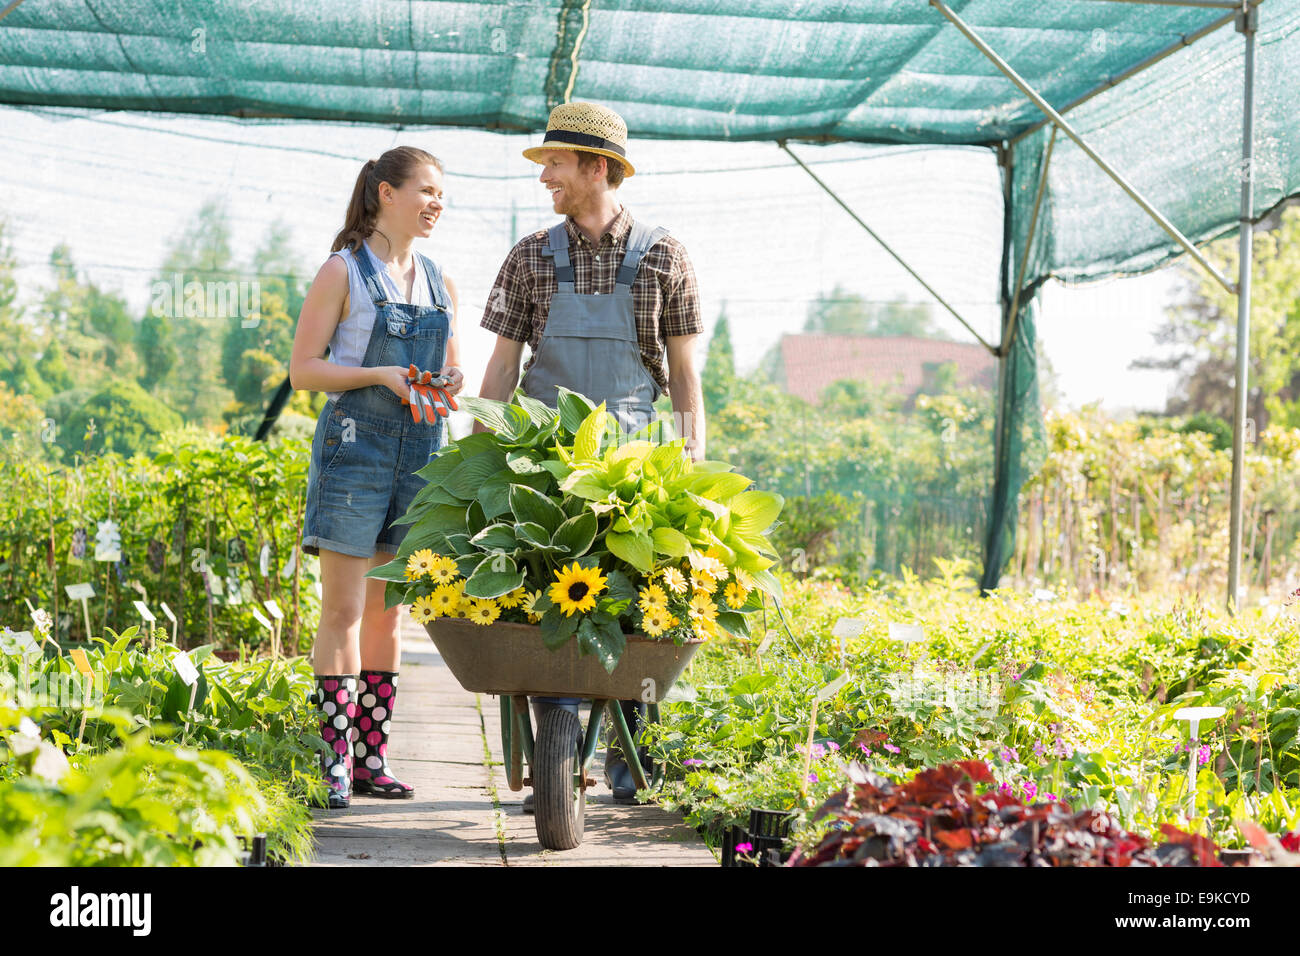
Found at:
[652, 595]
[529, 601]
[445, 599]
[419, 564]
[736, 595]
[674, 580]
[444, 569]
[424, 609]
[465, 605]
[483, 611]
[513, 598]
[708, 563]
[576, 588]
[703, 581]
[655, 620]
[702, 607]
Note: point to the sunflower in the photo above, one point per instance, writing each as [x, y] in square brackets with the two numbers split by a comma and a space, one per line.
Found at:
[674, 580]
[736, 595]
[419, 564]
[576, 588]
[425, 609]
[513, 598]
[444, 569]
[483, 611]
[652, 595]
[655, 620]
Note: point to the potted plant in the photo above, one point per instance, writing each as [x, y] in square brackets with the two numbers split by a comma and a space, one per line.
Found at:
[558, 523]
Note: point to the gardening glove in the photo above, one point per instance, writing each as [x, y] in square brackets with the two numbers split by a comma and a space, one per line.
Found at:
[428, 395]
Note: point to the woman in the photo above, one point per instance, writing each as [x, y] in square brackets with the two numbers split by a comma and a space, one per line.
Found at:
[380, 307]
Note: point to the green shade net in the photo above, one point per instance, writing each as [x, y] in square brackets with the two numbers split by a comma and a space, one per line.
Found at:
[884, 71]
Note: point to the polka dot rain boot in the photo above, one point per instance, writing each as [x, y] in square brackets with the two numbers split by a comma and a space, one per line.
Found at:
[335, 698]
[370, 773]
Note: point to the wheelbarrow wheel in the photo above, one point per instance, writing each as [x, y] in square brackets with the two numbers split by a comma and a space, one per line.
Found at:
[559, 793]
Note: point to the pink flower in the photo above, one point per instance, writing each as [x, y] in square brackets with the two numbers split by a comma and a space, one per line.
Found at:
[1050, 796]
[691, 762]
[1062, 749]
[744, 847]
[834, 747]
[1038, 748]
[1004, 788]
[1030, 788]
[892, 749]
[1203, 753]
[812, 778]
[1009, 754]
[818, 751]
[864, 748]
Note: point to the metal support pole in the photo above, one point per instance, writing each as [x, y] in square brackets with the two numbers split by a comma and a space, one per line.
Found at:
[1069, 131]
[1247, 24]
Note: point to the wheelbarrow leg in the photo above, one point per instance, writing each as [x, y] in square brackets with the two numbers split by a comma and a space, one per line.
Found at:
[627, 743]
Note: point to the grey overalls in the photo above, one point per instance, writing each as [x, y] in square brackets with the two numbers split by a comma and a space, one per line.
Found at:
[589, 345]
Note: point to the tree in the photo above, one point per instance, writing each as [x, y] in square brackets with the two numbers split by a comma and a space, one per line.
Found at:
[719, 378]
[127, 419]
[1204, 325]
[848, 313]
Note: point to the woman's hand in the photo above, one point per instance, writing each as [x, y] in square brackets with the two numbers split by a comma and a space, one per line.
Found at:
[455, 379]
[394, 377]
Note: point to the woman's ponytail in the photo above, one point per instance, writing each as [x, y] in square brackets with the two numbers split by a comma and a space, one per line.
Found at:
[393, 167]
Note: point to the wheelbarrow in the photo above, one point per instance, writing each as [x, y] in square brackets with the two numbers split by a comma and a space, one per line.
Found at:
[510, 661]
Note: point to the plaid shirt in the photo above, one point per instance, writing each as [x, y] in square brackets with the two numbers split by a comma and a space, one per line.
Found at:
[665, 298]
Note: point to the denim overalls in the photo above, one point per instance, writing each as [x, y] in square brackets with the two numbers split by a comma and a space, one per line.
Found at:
[366, 447]
[589, 345]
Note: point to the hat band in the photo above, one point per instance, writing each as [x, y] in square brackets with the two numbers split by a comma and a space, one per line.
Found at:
[581, 139]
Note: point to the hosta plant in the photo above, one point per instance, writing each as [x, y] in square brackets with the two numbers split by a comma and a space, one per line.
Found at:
[555, 517]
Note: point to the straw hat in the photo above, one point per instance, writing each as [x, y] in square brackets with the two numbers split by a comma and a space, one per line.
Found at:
[588, 127]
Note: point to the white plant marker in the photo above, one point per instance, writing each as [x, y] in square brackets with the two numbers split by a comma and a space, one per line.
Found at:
[906, 634]
[171, 617]
[1194, 716]
[82, 593]
[147, 617]
[768, 639]
[845, 628]
[189, 675]
[261, 619]
[278, 616]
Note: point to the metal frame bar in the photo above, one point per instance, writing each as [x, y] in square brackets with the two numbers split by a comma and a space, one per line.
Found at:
[897, 258]
[1069, 131]
[1247, 24]
[1224, 4]
[1150, 61]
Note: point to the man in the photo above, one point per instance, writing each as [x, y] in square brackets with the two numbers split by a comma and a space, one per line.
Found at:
[601, 300]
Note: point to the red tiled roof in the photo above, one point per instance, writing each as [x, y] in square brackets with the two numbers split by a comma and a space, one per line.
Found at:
[812, 361]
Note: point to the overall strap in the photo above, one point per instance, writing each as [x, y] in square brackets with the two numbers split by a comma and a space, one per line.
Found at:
[374, 285]
[438, 293]
[639, 241]
[557, 245]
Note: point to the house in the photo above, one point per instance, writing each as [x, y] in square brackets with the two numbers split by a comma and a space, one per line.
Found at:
[808, 362]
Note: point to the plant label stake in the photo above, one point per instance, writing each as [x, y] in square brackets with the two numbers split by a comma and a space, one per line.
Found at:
[261, 619]
[906, 634]
[82, 593]
[25, 646]
[764, 647]
[278, 616]
[845, 628]
[1194, 716]
[826, 693]
[264, 560]
[83, 665]
[171, 617]
[146, 615]
[980, 653]
[189, 675]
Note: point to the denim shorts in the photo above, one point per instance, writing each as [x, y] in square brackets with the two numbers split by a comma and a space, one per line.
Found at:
[362, 478]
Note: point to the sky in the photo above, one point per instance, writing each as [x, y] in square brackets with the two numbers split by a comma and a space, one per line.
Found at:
[764, 238]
